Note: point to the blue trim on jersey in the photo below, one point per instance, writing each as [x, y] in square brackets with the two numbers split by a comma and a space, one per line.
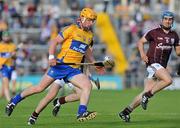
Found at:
[5, 54]
[61, 34]
[6, 71]
[79, 46]
[65, 72]
[60, 60]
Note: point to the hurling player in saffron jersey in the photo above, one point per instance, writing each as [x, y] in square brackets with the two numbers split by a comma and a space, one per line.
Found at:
[75, 40]
[7, 52]
[161, 42]
[58, 102]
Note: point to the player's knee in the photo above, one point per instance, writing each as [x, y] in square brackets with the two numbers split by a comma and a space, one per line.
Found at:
[168, 81]
[86, 87]
[78, 95]
[38, 89]
[89, 86]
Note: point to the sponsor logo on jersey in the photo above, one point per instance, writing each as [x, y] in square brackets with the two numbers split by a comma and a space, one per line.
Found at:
[5, 55]
[159, 38]
[163, 47]
[78, 46]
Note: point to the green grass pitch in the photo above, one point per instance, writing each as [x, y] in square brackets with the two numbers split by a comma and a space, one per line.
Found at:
[163, 112]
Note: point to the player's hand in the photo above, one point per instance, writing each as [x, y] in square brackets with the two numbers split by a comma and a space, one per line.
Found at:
[100, 70]
[144, 58]
[0, 66]
[52, 62]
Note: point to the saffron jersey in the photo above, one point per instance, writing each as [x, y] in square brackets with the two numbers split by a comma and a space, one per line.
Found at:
[76, 42]
[5, 53]
[160, 45]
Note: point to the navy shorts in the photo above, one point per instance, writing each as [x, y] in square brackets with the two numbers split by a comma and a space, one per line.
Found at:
[65, 72]
[6, 71]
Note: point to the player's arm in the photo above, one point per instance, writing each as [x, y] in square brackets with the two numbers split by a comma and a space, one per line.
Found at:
[13, 55]
[63, 35]
[89, 55]
[178, 72]
[177, 49]
[52, 49]
[90, 58]
[140, 46]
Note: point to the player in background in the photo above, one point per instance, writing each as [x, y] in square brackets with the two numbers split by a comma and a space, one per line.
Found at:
[75, 40]
[7, 52]
[161, 42]
[14, 76]
[13, 81]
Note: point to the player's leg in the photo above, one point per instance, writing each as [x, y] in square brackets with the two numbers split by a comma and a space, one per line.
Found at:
[125, 113]
[149, 84]
[13, 80]
[2, 92]
[164, 80]
[5, 84]
[83, 82]
[6, 76]
[75, 96]
[44, 83]
[53, 91]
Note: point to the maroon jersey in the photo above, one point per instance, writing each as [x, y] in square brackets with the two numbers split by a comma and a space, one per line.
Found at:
[160, 45]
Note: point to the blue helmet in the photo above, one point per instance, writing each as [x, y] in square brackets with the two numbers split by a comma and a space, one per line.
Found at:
[167, 14]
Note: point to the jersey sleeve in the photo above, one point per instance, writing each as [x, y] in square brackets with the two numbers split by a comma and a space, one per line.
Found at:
[66, 32]
[148, 36]
[177, 40]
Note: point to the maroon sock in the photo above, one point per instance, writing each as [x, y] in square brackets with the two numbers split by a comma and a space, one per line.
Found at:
[35, 114]
[148, 94]
[127, 110]
[62, 100]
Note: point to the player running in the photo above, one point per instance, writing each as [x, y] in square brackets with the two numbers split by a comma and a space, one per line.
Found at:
[161, 41]
[72, 97]
[75, 40]
[53, 91]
